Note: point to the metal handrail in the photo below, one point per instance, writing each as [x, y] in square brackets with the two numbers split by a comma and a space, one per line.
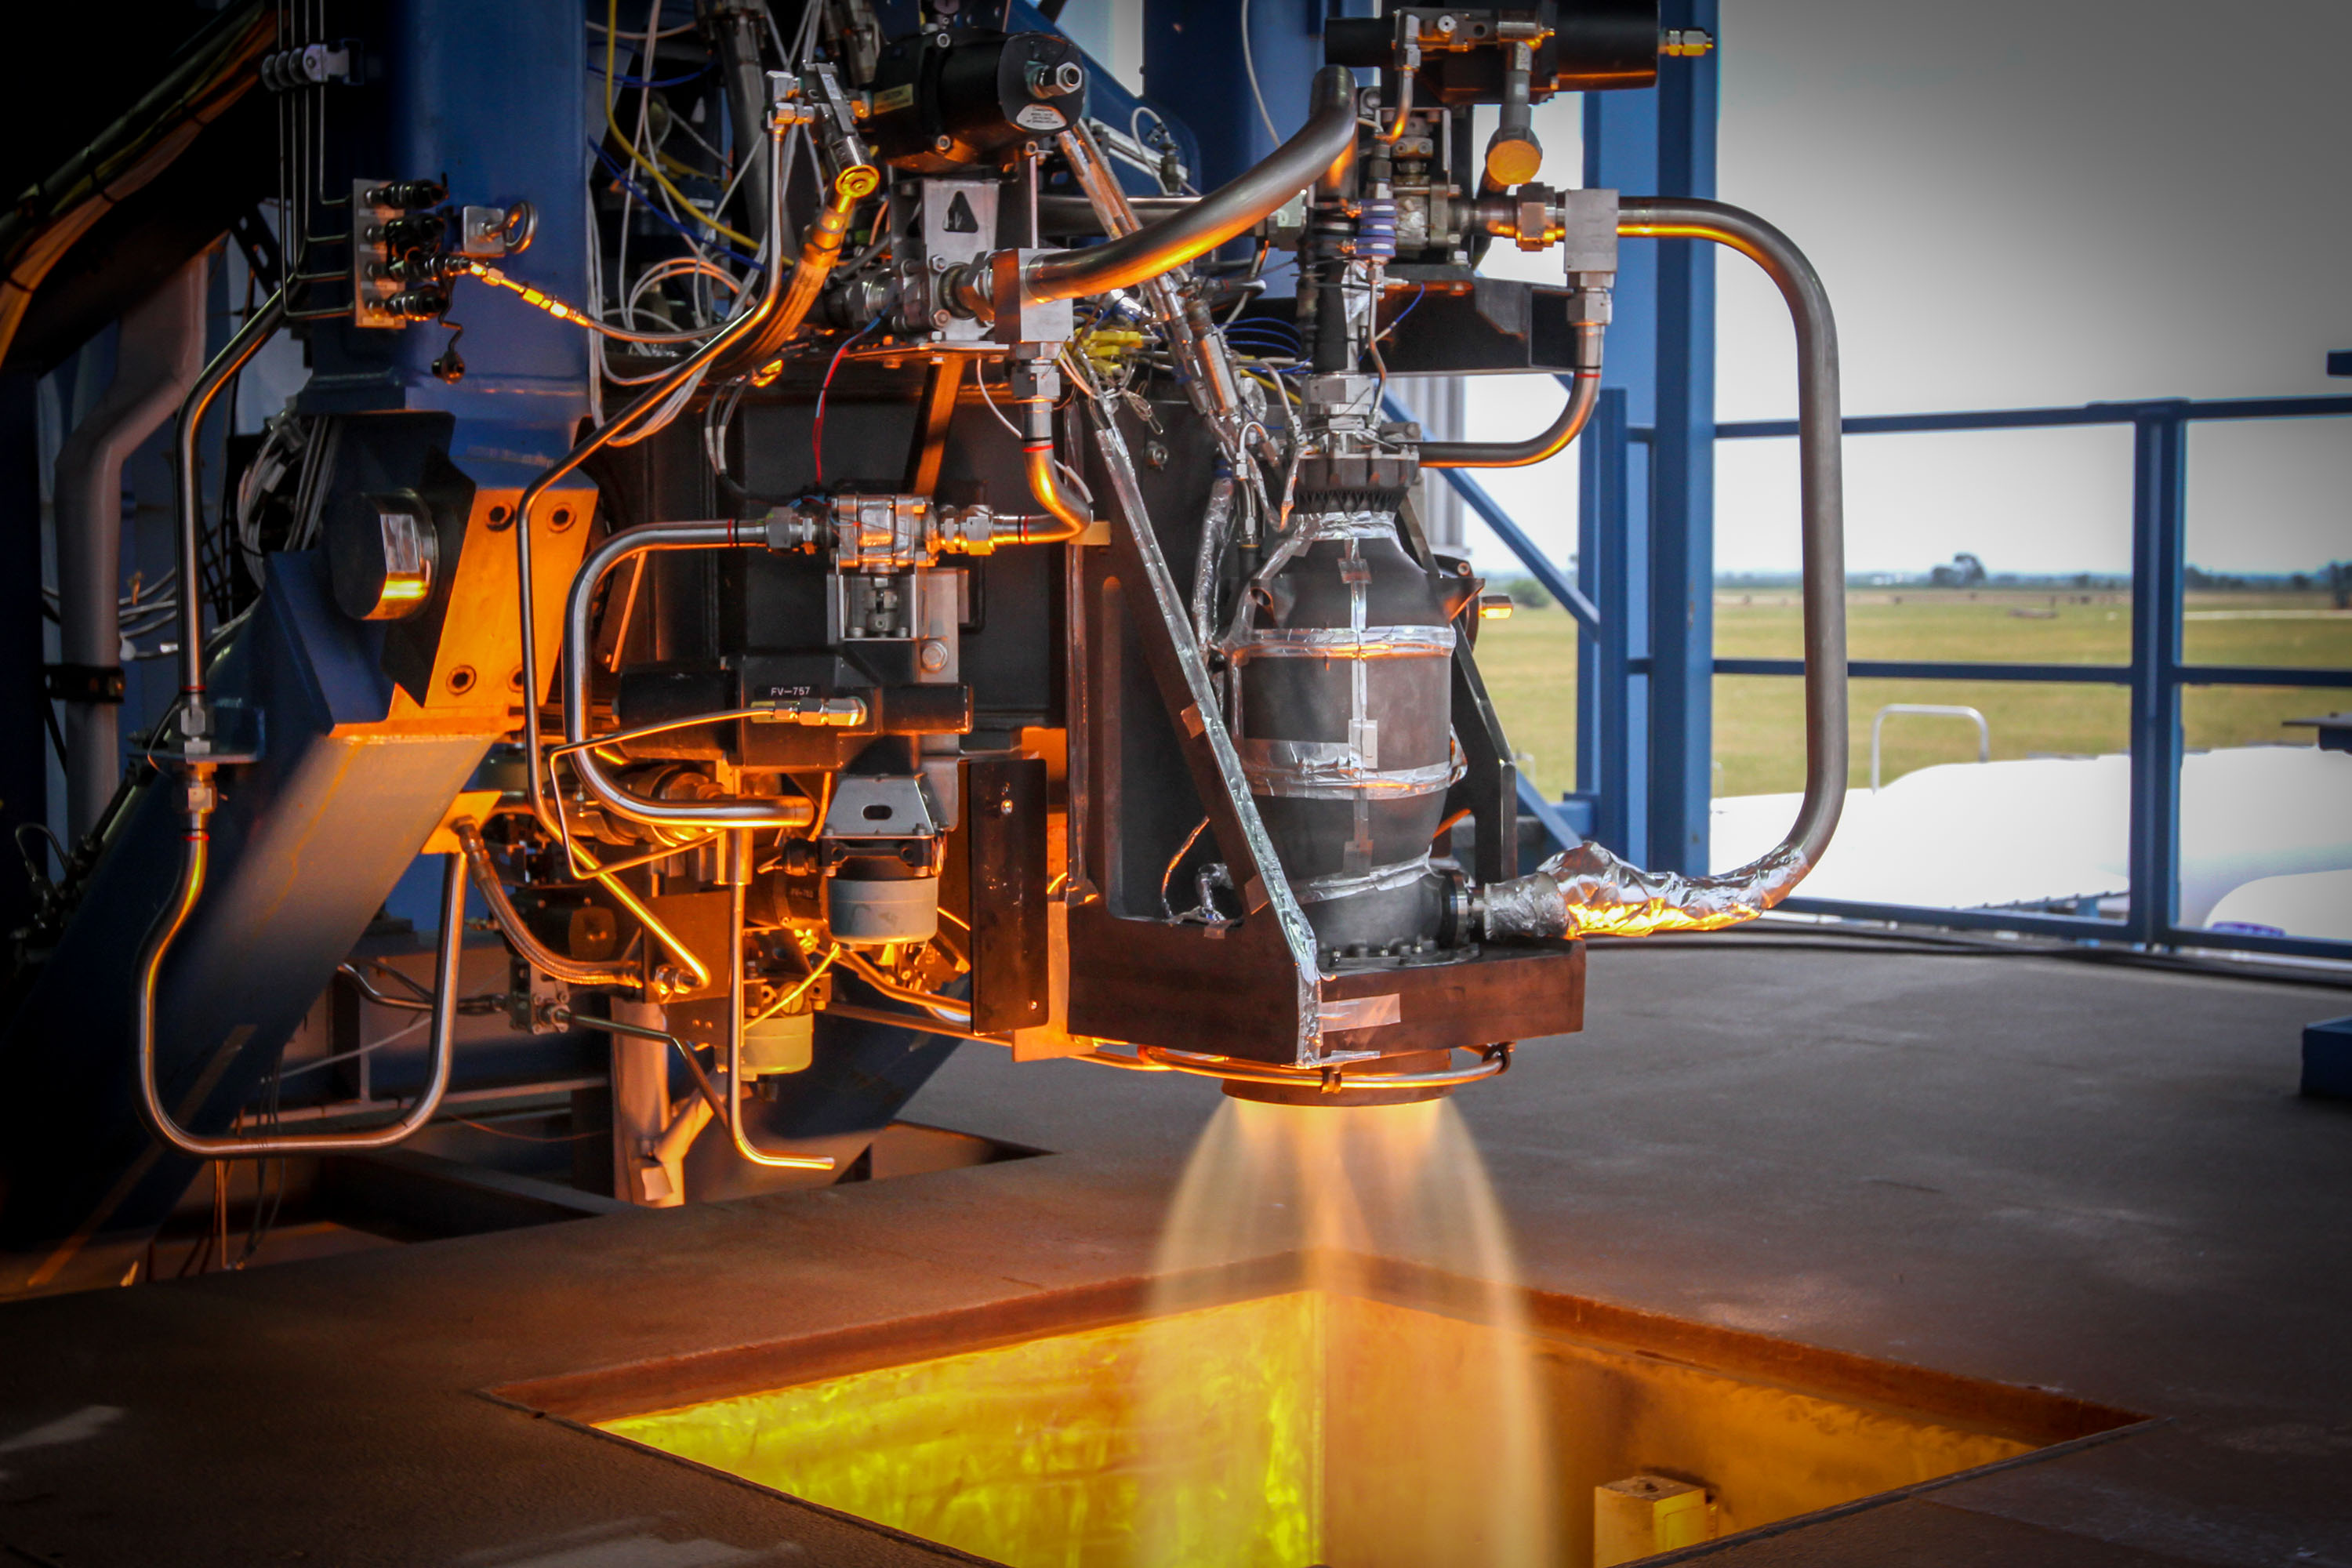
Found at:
[1946, 711]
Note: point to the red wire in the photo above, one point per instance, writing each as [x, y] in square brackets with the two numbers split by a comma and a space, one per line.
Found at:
[816, 431]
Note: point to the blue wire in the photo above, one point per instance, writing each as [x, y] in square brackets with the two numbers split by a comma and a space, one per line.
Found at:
[1419, 294]
[654, 207]
[624, 80]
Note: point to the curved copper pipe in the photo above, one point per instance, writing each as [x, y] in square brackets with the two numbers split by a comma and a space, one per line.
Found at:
[820, 252]
[511, 925]
[1045, 484]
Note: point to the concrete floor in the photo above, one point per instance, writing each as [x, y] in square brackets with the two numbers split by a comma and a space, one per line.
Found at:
[2090, 1179]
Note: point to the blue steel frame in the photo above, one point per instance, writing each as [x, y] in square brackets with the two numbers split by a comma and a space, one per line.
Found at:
[1610, 669]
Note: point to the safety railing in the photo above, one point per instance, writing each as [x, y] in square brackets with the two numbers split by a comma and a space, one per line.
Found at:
[1923, 711]
[1603, 594]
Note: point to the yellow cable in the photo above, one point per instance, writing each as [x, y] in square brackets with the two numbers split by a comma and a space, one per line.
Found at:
[611, 40]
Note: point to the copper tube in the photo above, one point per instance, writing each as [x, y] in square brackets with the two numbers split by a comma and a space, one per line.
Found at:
[820, 251]
[1045, 484]
[738, 874]
[698, 972]
[510, 924]
[946, 1007]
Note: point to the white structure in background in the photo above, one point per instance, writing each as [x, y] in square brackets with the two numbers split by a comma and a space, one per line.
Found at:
[1436, 402]
[2265, 838]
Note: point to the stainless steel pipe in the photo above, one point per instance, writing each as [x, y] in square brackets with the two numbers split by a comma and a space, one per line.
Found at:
[619, 547]
[1587, 890]
[1583, 396]
[260, 328]
[510, 923]
[1820, 478]
[1327, 139]
[162, 1123]
[739, 876]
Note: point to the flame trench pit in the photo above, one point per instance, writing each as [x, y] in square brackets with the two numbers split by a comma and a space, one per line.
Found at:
[1331, 1365]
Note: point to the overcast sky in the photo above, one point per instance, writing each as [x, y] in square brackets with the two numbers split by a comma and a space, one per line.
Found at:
[2028, 202]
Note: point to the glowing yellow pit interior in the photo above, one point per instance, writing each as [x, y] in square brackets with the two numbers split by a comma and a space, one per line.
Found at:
[1295, 1429]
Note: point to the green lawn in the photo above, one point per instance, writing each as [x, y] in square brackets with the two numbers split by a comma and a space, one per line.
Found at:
[1529, 661]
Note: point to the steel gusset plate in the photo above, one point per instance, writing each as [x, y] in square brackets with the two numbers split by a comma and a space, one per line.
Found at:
[1250, 989]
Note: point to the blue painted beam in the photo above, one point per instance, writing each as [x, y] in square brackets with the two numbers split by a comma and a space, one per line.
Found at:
[1547, 814]
[2312, 677]
[2045, 418]
[1194, 63]
[1681, 493]
[1608, 766]
[2159, 526]
[1940, 669]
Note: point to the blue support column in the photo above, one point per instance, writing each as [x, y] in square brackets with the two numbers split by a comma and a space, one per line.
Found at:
[2159, 521]
[1662, 351]
[492, 98]
[1681, 507]
[1606, 762]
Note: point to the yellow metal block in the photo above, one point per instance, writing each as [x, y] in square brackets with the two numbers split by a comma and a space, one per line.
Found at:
[471, 806]
[476, 686]
[1053, 1038]
[1643, 1515]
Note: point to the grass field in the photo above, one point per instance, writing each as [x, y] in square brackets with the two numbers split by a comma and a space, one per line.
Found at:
[1530, 662]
